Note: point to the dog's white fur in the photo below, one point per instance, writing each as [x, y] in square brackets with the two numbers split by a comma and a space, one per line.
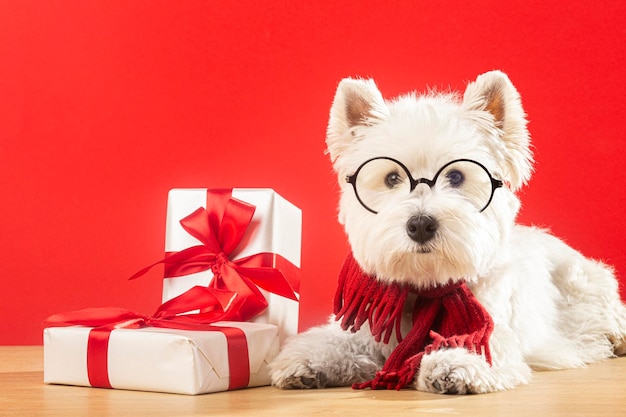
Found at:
[552, 307]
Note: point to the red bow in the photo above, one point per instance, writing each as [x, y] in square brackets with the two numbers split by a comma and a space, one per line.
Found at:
[168, 315]
[220, 229]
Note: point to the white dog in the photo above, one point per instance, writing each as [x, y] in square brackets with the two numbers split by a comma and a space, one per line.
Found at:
[428, 200]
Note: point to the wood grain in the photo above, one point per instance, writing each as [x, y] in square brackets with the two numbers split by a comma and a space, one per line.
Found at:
[598, 389]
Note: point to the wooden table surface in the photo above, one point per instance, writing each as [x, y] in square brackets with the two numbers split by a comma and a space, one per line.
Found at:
[598, 390]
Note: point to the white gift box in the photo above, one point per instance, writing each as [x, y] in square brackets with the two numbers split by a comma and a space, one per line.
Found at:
[276, 227]
[157, 359]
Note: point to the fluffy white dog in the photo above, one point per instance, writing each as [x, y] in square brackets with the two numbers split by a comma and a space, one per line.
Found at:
[428, 200]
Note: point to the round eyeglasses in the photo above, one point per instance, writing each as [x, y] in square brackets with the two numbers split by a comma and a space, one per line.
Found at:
[380, 181]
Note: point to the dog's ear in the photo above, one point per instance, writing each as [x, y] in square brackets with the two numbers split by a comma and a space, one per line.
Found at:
[357, 103]
[493, 102]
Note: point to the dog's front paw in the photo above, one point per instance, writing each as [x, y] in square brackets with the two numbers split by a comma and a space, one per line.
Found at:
[455, 371]
[296, 375]
[326, 356]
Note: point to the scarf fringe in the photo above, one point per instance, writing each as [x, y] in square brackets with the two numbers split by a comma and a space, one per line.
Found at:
[360, 299]
[395, 380]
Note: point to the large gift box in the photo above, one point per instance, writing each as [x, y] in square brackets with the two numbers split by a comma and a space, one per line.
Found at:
[272, 236]
[164, 360]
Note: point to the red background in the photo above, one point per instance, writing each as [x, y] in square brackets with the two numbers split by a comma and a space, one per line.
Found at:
[105, 106]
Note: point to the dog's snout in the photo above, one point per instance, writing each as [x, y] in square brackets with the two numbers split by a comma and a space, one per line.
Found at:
[421, 228]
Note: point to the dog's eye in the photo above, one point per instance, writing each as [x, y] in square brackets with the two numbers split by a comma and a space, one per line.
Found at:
[455, 177]
[392, 179]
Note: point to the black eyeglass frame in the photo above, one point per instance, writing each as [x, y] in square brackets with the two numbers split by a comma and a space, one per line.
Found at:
[351, 179]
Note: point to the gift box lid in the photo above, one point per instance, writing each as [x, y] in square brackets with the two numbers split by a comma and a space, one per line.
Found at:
[275, 226]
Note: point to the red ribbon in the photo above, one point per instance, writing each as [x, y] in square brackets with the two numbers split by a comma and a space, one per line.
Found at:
[220, 229]
[105, 320]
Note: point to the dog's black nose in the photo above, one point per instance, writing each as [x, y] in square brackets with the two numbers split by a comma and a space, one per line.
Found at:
[421, 228]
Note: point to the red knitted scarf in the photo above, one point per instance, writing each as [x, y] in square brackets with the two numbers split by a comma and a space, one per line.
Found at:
[443, 316]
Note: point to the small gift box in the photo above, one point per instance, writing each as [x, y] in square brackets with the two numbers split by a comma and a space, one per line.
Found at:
[268, 236]
[165, 360]
[167, 352]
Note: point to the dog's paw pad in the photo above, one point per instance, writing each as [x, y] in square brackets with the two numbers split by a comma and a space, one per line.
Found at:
[446, 385]
[299, 378]
[447, 380]
[305, 382]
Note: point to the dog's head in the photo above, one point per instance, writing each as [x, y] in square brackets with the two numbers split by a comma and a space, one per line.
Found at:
[428, 181]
